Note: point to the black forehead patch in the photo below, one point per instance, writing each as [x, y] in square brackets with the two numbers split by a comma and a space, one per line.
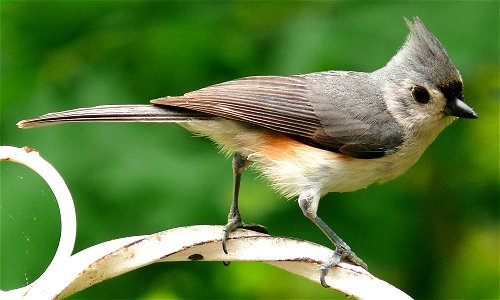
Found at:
[452, 90]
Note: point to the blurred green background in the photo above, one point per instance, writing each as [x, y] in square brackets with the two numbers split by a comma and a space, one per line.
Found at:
[433, 232]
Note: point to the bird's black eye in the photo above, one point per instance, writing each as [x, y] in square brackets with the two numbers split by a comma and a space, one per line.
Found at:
[420, 94]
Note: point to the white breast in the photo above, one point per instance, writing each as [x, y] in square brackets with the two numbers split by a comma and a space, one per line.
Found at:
[293, 167]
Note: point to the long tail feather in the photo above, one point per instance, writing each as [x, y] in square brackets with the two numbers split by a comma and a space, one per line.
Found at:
[117, 113]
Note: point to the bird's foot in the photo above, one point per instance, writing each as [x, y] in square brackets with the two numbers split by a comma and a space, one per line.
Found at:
[232, 224]
[340, 253]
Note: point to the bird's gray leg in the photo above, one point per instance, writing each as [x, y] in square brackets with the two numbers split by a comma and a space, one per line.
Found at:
[308, 202]
[240, 163]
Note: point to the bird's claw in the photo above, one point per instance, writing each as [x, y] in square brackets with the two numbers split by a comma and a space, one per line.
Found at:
[237, 223]
[339, 254]
[231, 225]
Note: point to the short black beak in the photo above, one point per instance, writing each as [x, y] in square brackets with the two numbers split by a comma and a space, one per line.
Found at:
[456, 107]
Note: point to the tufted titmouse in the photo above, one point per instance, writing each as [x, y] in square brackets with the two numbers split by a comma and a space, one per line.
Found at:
[311, 134]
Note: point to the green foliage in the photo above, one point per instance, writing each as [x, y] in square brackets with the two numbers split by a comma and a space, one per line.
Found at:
[433, 232]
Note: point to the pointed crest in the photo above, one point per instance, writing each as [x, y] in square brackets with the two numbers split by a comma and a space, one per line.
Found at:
[423, 53]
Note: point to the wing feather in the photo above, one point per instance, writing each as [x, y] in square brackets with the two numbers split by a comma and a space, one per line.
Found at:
[274, 102]
[302, 107]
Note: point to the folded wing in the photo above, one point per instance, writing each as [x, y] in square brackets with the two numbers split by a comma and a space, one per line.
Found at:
[283, 104]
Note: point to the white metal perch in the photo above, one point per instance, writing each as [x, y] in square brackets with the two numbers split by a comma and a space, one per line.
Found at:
[68, 274]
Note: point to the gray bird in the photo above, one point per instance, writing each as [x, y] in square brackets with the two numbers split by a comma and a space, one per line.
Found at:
[333, 131]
